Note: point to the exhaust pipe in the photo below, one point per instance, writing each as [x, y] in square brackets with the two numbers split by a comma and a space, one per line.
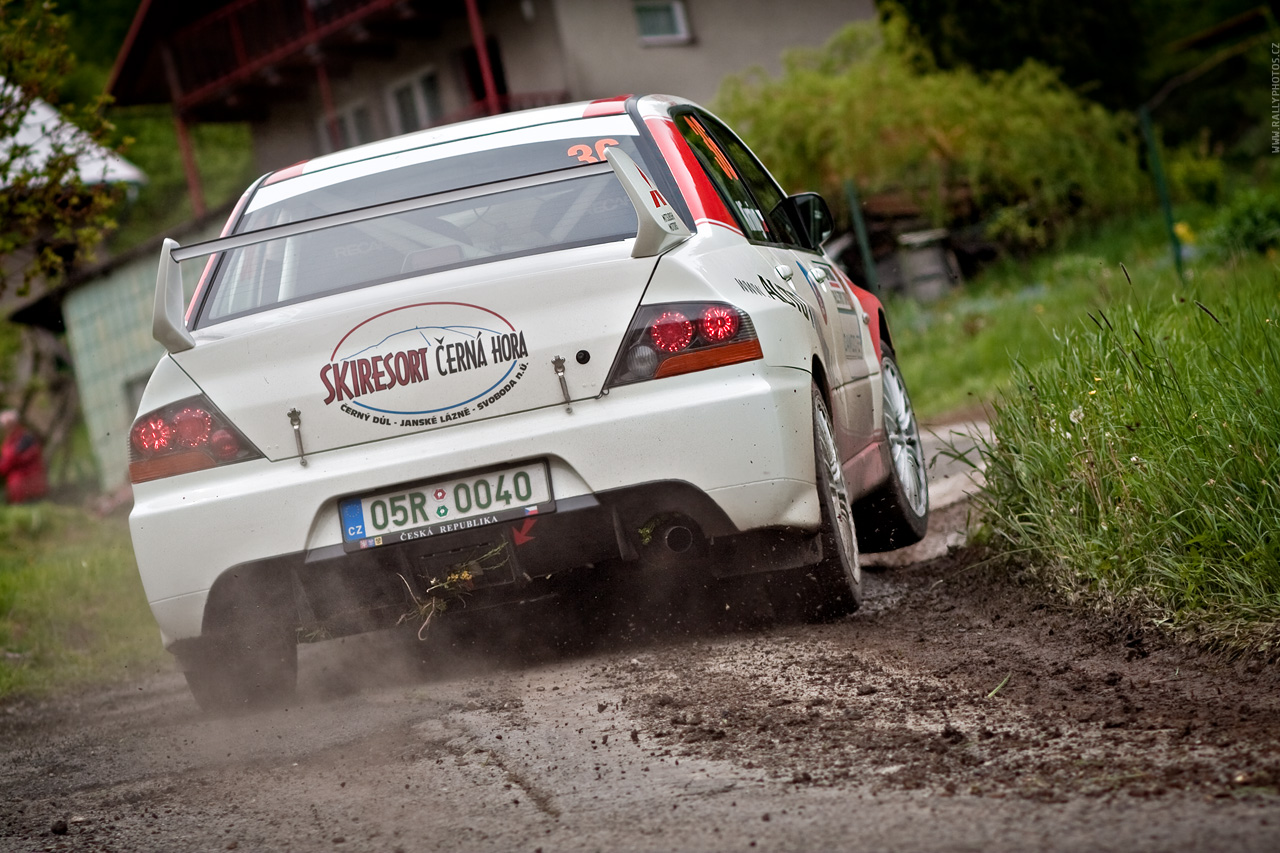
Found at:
[676, 538]
[672, 542]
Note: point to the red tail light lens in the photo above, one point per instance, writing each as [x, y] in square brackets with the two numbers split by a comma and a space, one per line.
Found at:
[192, 427]
[225, 444]
[664, 341]
[720, 323]
[151, 435]
[190, 435]
[671, 332]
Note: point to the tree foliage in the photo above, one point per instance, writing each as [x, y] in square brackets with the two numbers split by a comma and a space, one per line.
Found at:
[1095, 45]
[1121, 54]
[50, 216]
[1028, 153]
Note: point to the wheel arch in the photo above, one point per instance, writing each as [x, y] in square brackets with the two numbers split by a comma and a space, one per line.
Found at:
[883, 338]
[820, 379]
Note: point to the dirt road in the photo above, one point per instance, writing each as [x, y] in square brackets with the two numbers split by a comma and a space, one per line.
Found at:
[954, 712]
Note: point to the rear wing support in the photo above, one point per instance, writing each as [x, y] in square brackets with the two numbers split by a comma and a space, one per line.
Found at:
[660, 226]
[167, 323]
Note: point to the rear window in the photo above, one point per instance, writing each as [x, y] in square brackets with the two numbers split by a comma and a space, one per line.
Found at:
[483, 226]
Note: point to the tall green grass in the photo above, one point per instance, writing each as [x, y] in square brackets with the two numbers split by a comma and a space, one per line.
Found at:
[1140, 466]
[959, 352]
[72, 610]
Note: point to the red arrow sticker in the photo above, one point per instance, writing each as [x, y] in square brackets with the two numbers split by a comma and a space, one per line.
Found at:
[521, 533]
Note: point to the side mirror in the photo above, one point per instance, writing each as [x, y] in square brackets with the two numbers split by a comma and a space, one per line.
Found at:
[813, 217]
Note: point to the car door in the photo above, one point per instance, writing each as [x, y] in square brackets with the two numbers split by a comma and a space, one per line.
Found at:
[808, 275]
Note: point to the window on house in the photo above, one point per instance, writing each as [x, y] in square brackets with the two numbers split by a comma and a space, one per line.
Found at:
[415, 102]
[355, 127]
[662, 23]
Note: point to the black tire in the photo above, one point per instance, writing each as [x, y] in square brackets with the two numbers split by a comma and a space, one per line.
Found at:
[244, 672]
[896, 514]
[831, 588]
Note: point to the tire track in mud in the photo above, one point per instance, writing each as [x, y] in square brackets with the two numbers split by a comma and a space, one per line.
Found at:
[968, 684]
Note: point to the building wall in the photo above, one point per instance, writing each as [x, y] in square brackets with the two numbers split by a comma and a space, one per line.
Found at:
[531, 57]
[108, 321]
[588, 48]
[605, 57]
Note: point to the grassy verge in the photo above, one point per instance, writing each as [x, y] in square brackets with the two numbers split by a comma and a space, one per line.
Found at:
[1140, 468]
[72, 610]
[960, 352]
[1135, 463]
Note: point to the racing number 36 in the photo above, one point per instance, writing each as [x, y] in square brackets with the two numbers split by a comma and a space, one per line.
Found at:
[586, 155]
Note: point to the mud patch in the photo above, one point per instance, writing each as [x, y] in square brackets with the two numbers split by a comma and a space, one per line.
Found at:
[960, 680]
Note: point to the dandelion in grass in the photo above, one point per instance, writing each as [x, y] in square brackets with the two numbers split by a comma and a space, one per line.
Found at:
[1077, 414]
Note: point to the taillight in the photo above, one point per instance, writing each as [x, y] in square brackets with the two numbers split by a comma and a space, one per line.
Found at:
[667, 340]
[151, 435]
[720, 323]
[671, 332]
[190, 435]
[192, 427]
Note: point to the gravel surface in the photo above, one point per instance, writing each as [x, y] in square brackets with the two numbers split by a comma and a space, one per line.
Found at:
[956, 711]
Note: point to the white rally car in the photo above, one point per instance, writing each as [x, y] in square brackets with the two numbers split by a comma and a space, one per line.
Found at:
[486, 358]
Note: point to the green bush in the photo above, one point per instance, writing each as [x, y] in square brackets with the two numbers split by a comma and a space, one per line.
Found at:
[1029, 153]
[1141, 467]
[1195, 176]
[224, 154]
[1250, 222]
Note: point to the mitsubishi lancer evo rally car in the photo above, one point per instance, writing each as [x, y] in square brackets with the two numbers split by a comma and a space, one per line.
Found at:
[493, 357]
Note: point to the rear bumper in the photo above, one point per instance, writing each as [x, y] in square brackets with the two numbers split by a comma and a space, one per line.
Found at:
[728, 449]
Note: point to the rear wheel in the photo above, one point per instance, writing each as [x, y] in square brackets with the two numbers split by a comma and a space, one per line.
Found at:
[253, 670]
[833, 587]
[897, 514]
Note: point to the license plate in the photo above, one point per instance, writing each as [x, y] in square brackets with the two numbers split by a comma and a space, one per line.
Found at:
[445, 506]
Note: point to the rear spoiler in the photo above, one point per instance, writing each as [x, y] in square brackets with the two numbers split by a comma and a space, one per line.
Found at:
[660, 228]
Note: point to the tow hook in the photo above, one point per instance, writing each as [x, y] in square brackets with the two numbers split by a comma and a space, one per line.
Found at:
[295, 418]
[558, 363]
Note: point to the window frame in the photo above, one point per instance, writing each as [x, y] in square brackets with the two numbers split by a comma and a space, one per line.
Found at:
[347, 113]
[718, 132]
[683, 34]
[414, 83]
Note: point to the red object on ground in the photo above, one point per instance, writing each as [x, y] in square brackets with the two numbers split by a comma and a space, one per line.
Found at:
[22, 467]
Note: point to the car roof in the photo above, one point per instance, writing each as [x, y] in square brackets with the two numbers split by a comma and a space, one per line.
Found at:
[649, 105]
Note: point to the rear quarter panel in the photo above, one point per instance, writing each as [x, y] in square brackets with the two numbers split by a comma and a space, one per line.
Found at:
[717, 264]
